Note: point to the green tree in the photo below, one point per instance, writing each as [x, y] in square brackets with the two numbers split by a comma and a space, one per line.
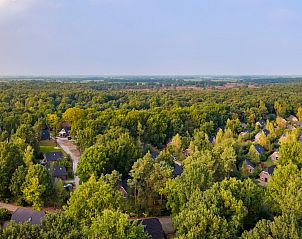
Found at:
[16, 184]
[20, 231]
[179, 190]
[60, 194]
[90, 199]
[284, 226]
[60, 226]
[290, 152]
[114, 224]
[254, 155]
[10, 160]
[284, 193]
[37, 186]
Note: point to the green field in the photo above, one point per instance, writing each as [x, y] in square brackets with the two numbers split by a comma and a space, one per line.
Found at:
[49, 146]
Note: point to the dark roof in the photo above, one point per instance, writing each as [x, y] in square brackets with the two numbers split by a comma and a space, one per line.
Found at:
[261, 122]
[270, 169]
[249, 163]
[124, 183]
[212, 139]
[259, 149]
[153, 227]
[22, 215]
[177, 169]
[266, 132]
[247, 131]
[53, 156]
[45, 134]
[58, 171]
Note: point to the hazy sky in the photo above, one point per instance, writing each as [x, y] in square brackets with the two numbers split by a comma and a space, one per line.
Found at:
[150, 37]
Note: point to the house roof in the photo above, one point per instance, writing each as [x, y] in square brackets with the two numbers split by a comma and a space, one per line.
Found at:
[212, 139]
[266, 132]
[292, 118]
[124, 183]
[259, 149]
[270, 169]
[261, 122]
[249, 163]
[177, 168]
[53, 156]
[298, 123]
[153, 227]
[58, 171]
[247, 131]
[22, 215]
[45, 134]
[66, 129]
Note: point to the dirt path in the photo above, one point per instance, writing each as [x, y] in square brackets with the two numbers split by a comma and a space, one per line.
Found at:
[71, 148]
[13, 207]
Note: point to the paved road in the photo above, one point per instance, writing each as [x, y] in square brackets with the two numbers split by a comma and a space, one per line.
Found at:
[71, 148]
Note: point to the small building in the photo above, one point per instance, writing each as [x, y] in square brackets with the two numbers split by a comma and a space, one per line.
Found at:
[245, 132]
[250, 167]
[45, 135]
[153, 227]
[260, 123]
[178, 169]
[52, 157]
[22, 215]
[64, 133]
[290, 127]
[186, 152]
[292, 118]
[212, 139]
[124, 188]
[58, 172]
[265, 175]
[298, 123]
[275, 156]
[260, 150]
[258, 135]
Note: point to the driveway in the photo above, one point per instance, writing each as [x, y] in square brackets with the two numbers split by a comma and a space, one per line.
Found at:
[71, 148]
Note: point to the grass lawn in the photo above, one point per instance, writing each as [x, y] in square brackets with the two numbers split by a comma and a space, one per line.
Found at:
[49, 146]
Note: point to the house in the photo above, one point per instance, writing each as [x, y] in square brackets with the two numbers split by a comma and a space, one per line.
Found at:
[300, 139]
[250, 167]
[258, 135]
[153, 227]
[260, 150]
[22, 215]
[64, 132]
[212, 139]
[124, 188]
[290, 127]
[45, 135]
[292, 118]
[282, 139]
[178, 169]
[244, 132]
[52, 157]
[275, 156]
[58, 172]
[298, 123]
[265, 175]
[260, 123]
[186, 152]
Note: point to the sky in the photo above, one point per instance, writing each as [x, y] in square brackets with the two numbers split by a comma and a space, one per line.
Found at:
[150, 37]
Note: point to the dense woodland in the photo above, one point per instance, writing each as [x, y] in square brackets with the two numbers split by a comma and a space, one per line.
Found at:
[137, 135]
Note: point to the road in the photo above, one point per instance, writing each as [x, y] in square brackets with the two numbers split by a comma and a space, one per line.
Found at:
[71, 148]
